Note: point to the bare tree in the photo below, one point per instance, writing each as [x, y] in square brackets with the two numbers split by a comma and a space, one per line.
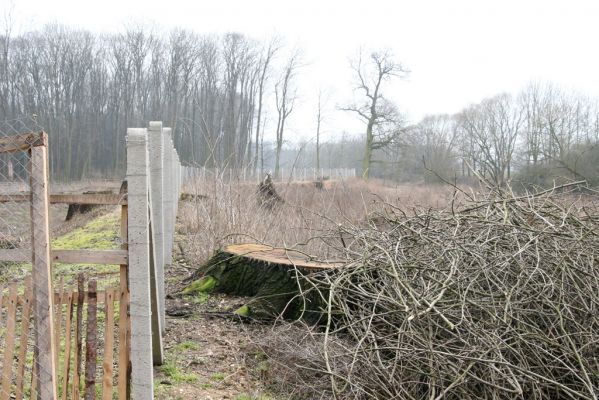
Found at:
[285, 96]
[264, 68]
[494, 126]
[381, 117]
[319, 120]
[429, 148]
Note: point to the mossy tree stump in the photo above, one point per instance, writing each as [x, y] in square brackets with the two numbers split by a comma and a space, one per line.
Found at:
[273, 277]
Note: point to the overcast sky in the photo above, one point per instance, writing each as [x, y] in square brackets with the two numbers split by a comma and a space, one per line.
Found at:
[458, 51]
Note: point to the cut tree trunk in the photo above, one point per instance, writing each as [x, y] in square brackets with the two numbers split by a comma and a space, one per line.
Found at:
[273, 277]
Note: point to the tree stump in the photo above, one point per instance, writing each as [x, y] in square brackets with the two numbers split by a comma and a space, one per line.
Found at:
[273, 277]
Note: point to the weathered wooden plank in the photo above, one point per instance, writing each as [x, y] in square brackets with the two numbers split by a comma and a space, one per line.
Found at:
[15, 255]
[103, 257]
[23, 342]
[22, 142]
[100, 296]
[9, 343]
[115, 257]
[58, 320]
[78, 335]
[106, 199]
[108, 346]
[89, 198]
[41, 267]
[91, 343]
[33, 390]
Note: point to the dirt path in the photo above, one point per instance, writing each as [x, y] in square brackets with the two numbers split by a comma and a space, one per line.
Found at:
[205, 348]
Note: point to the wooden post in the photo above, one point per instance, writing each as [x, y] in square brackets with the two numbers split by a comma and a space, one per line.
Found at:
[142, 381]
[108, 346]
[42, 273]
[157, 214]
[91, 342]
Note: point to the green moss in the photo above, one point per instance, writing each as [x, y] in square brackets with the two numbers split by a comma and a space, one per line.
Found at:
[101, 233]
[205, 284]
[244, 311]
[201, 298]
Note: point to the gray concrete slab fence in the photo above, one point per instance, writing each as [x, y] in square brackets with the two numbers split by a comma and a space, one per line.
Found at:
[154, 183]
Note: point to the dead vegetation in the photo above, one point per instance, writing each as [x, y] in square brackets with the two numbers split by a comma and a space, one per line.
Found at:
[497, 299]
[218, 213]
[468, 296]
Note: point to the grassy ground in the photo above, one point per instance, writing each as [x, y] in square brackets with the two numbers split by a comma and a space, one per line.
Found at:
[100, 233]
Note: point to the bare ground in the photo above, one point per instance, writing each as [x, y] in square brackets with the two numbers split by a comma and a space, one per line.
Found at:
[205, 346]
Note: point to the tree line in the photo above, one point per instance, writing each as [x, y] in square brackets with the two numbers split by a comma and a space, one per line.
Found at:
[86, 89]
[540, 135]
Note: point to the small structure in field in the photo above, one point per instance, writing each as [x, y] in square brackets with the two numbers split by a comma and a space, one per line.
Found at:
[267, 193]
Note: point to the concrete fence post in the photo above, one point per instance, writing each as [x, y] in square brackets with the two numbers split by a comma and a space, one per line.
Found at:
[142, 386]
[169, 188]
[157, 215]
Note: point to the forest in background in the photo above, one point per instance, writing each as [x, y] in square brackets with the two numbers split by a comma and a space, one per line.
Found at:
[86, 89]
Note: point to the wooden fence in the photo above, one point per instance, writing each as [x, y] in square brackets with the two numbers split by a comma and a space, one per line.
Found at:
[81, 342]
[120, 353]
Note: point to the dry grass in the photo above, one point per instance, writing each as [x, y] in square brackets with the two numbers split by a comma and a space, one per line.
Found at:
[221, 213]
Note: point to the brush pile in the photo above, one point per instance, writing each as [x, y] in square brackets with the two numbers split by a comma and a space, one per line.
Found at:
[497, 300]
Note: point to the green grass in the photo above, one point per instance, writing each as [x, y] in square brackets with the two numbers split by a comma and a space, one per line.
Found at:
[219, 376]
[102, 233]
[172, 371]
[187, 345]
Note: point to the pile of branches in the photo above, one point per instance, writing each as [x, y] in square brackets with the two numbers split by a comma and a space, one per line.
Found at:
[496, 300]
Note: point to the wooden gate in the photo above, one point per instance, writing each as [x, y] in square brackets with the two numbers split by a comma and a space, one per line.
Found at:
[91, 331]
[53, 362]
[66, 338]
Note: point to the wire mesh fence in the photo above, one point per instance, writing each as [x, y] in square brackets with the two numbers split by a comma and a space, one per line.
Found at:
[27, 333]
[60, 336]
